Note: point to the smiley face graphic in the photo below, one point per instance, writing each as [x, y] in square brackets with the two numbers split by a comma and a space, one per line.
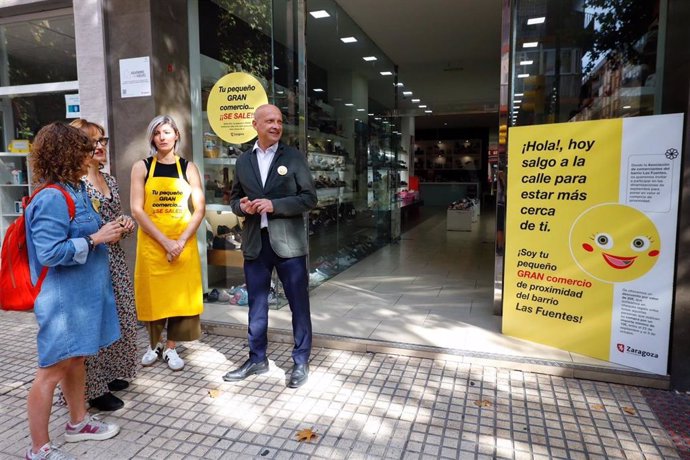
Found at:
[614, 242]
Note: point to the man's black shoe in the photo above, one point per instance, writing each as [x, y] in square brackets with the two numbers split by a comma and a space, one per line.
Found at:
[247, 369]
[299, 376]
[107, 402]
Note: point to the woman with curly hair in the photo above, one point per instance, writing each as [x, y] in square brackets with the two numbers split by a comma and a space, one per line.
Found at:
[110, 369]
[75, 309]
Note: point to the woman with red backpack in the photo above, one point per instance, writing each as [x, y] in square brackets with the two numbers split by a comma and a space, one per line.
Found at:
[75, 309]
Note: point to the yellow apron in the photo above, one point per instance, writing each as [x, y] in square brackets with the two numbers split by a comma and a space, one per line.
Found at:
[164, 289]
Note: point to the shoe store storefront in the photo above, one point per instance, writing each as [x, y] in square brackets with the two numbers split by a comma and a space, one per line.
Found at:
[341, 118]
[122, 62]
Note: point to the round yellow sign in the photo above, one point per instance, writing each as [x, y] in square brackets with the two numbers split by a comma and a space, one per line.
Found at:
[231, 105]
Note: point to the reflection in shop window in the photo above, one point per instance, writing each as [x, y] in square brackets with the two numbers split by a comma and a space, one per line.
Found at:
[595, 59]
[39, 52]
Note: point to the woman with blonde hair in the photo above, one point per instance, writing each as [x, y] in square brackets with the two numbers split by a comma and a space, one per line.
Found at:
[167, 273]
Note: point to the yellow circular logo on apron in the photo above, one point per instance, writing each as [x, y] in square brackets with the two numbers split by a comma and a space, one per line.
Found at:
[231, 105]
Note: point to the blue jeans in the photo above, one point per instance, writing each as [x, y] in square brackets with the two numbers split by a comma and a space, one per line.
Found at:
[295, 278]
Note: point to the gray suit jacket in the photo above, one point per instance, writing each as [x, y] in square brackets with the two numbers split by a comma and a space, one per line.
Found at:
[292, 193]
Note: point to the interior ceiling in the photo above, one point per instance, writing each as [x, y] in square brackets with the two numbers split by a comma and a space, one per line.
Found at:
[447, 53]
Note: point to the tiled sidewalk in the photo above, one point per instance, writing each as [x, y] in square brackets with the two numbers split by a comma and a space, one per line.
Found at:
[361, 405]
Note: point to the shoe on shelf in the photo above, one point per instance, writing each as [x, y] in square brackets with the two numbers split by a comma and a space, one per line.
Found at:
[107, 402]
[90, 429]
[316, 278]
[48, 452]
[213, 295]
[174, 361]
[272, 297]
[299, 376]
[151, 356]
[118, 385]
[243, 298]
[224, 296]
[246, 369]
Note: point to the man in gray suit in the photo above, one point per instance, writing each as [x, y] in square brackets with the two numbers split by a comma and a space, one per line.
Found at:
[273, 189]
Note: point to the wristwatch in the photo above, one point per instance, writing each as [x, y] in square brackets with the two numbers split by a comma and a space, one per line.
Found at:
[89, 241]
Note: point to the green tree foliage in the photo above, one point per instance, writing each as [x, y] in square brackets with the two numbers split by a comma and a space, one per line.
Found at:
[619, 26]
[244, 35]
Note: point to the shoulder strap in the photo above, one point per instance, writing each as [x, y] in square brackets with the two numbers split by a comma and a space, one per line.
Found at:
[68, 198]
[70, 209]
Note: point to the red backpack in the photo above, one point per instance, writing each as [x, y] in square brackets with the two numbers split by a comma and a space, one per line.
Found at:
[17, 292]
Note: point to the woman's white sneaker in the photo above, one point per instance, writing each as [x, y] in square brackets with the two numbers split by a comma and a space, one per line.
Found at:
[174, 361]
[151, 356]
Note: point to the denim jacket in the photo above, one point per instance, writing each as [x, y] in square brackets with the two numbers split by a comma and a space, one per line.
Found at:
[75, 309]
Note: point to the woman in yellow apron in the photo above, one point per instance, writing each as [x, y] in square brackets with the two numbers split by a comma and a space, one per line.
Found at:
[167, 273]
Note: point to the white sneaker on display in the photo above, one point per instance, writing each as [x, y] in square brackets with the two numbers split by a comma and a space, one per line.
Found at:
[174, 361]
[151, 356]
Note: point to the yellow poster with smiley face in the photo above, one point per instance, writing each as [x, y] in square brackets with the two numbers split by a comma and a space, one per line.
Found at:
[590, 237]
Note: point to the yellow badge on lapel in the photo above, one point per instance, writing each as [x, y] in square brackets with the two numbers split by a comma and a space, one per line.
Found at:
[96, 204]
[282, 170]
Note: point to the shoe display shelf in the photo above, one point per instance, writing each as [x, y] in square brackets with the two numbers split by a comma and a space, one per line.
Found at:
[454, 160]
[357, 246]
[461, 214]
[15, 183]
[459, 220]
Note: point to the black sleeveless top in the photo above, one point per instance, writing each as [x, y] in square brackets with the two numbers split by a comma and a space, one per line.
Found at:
[163, 170]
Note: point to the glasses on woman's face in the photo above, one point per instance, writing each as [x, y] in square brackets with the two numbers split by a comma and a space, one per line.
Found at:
[101, 140]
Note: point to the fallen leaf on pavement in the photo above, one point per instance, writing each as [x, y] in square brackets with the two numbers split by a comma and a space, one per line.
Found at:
[214, 393]
[305, 435]
[483, 403]
[598, 406]
[629, 410]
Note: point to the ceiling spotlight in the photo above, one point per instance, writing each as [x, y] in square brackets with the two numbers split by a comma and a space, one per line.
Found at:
[319, 14]
[530, 62]
[361, 110]
[407, 93]
[427, 111]
[369, 58]
[386, 73]
[533, 21]
[415, 100]
[530, 44]
[422, 106]
[318, 90]
[348, 39]
[349, 104]
[523, 75]
[519, 94]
